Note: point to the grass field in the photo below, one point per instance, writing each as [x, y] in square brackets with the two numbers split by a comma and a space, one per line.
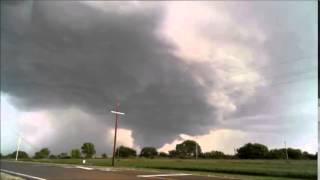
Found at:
[255, 169]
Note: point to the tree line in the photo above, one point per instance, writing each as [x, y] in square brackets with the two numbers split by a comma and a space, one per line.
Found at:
[186, 150]
[87, 151]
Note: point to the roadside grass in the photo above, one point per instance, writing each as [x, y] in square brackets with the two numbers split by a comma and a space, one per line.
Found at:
[243, 169]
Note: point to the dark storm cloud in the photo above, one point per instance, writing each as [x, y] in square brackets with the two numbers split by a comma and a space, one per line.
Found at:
[72, 55]
[58, 56]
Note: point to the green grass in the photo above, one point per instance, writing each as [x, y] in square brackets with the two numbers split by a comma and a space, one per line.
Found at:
[256, 169]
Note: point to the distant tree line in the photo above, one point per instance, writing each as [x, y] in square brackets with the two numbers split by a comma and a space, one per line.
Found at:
[260, 151]
[186, 150]
[87, 151]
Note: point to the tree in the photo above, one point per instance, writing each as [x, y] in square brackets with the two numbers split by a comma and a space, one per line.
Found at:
[252, 151]
[148, 152]
[75, 153]
[37, 155]
[306, 155]
[21, 155]
[294, 153]
[187, 149]
[43, 153]
[163, 154]
[104, 155]
[53, 156]
[172, 153]
[63, 156]
[214, 155]
[277, 154]
[125, 152]
[88, 149]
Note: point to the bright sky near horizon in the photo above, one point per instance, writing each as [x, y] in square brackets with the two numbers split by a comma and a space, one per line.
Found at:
[221, 73]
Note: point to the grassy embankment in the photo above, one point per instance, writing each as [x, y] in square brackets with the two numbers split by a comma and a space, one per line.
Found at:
[270, 169]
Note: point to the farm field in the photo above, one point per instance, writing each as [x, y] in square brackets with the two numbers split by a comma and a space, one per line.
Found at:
[244, 169]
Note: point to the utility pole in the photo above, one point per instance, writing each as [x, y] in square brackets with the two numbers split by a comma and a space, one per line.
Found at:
[115, 129]
[285, 146]
[18, 147]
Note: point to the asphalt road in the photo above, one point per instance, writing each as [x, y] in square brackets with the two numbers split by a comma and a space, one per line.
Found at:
[42, 171]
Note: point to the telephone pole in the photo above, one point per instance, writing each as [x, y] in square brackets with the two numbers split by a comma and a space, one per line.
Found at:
[18, 147]
[285, 146]
[117, 113]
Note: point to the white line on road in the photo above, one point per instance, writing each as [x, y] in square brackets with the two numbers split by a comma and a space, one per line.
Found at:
[163, 175]
[23, 175]
[86, 168]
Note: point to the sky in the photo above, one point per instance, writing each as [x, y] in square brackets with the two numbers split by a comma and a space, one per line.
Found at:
[221, 73]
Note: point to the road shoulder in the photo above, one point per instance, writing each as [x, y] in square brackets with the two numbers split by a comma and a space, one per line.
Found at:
[5, 176]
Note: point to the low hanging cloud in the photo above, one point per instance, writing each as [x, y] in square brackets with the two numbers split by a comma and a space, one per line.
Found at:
[172, 76]
[224, 140]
